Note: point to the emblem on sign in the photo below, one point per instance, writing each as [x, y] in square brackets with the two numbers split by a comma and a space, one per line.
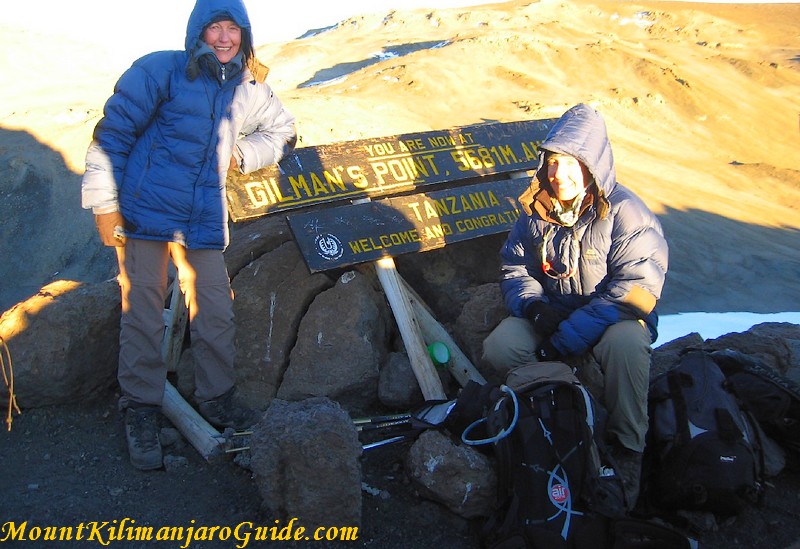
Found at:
[328, 246]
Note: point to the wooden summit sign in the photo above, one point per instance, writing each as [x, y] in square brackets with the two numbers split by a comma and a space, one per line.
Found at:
[373, 168]
[462, 188]
[367, 231]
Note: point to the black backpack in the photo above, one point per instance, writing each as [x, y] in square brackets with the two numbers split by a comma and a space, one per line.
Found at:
[771, 398]
[702, 450]
[555, 486]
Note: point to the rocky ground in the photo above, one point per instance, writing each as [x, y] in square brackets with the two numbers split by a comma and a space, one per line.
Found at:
[66, 465]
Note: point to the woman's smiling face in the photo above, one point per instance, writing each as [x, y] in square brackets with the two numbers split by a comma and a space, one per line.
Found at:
[225, 38]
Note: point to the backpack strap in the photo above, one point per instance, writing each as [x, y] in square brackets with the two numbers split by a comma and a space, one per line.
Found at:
[728, 430]
[675, 383]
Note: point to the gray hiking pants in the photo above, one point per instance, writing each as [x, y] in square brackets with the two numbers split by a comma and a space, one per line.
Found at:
[206, 286]
[623, 354]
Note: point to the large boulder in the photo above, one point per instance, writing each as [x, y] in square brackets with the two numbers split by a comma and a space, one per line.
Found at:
[398, 387]
[273, 293]
[252, 239]
[341, 343]
[482, 312]
[63, 342]
[305, 462]
[776, 344]
[441, 277]
[455, 475]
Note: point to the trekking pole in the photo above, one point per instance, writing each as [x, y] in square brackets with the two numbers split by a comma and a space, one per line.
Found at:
[380, 443]
[380, 419]
[230, 437]
[384, 425]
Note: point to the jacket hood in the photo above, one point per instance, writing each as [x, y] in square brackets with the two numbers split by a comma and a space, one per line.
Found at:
[206, 10]
[581, 132]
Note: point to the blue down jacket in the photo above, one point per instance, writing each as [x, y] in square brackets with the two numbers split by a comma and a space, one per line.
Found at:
[616, 249]
[161, 152]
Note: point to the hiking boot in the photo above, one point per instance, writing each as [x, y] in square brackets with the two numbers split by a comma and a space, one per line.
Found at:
[224, 411]
[141, 430]
[629, 469]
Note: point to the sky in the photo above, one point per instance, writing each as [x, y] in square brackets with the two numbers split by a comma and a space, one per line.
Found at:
[132, 29]
[137, 28]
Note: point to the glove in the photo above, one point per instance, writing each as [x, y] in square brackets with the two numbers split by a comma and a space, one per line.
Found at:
[545, 318]
[546, 352]
[111, 228]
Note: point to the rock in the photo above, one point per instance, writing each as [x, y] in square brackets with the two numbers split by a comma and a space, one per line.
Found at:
[456, 476]
[63, 342]
[776, 344]
[341, 343]
[790, 335]
[272, 295]
[305, 462]
[397, 385]
[252, 239]
[170, 436]
[442, 277]
[482, 312]
[173, 463]
[699, 521]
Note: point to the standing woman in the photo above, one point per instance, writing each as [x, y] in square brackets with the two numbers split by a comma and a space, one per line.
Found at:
[155, 181]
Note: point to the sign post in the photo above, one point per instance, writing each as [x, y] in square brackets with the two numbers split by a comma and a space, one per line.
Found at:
[414, 341]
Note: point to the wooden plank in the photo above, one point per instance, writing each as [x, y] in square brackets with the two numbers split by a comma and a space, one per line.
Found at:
[346, 235]
[421, 364]
[385, 166]
[206, 440]
[460, 367]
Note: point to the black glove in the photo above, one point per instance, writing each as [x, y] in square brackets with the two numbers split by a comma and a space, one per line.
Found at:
[546, 352]
[545, 318]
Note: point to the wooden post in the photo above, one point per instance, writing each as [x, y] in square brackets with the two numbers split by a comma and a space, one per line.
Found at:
[401, 306]
[200, 434]
[459, 366]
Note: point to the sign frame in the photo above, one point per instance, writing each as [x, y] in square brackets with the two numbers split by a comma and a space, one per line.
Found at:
[385, 166]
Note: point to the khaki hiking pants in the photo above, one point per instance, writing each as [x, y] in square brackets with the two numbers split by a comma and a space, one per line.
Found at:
[623, 354]
[205, 284]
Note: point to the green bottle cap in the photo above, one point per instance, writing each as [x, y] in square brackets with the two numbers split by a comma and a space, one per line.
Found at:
[439, 353]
